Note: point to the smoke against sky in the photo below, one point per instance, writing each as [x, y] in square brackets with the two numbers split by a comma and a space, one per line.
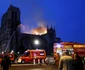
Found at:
[38, 30]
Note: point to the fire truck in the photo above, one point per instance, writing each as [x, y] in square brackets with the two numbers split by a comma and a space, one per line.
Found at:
[31, 55]
[71, 46]
[11, 56]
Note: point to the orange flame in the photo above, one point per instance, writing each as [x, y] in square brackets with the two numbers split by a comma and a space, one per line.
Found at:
[39, 31]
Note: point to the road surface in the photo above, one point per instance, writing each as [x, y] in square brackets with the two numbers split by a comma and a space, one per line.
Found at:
[32, 67]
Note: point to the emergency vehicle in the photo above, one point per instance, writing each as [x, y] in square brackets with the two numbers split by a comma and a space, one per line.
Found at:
[60, 47]
[11, 56]
[31, 55]
[71, 47]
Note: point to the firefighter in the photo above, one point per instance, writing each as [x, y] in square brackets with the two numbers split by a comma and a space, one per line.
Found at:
[6, 63]
[57, 59]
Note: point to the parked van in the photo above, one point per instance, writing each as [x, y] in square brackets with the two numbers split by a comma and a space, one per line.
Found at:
[31, 55]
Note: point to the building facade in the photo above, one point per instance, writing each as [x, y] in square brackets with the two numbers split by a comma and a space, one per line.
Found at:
[46, 41]
[12, 39]
[9, 23]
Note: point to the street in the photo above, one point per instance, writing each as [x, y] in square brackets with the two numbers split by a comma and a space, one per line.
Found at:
[31, 67]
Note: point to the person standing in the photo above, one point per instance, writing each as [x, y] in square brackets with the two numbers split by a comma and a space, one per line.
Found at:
[5, 62]
[66, 62]
[57, 59]
[78, 64]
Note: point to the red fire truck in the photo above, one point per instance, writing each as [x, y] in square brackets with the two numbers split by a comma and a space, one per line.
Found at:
[10, 55]
[30, 55]
[71, 46]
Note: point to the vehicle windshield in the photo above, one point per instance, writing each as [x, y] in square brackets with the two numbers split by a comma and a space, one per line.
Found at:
[26, 54]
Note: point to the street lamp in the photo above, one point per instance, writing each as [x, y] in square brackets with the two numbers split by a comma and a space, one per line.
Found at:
[36, 42]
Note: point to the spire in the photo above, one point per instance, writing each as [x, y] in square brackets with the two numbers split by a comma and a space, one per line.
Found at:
[11, 5]
[47, 28]
[51, 27]
[54, 29]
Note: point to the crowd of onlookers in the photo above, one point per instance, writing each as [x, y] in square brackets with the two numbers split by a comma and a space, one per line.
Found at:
[66, 62]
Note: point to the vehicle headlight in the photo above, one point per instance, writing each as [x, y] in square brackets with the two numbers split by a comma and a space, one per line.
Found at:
[19, 60]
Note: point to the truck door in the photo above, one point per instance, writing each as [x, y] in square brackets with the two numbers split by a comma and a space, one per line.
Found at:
[28, 57]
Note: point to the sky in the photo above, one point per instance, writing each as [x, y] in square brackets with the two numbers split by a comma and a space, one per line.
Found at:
[67, 16]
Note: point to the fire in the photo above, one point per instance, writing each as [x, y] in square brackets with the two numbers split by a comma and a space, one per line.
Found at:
[39, 31]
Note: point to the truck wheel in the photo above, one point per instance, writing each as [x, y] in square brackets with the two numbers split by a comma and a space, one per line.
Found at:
[23, 61]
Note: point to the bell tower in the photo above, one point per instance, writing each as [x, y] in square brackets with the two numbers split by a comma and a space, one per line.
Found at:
[9, 23]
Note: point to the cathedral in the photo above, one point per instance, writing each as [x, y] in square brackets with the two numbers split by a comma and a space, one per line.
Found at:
[12, 39]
